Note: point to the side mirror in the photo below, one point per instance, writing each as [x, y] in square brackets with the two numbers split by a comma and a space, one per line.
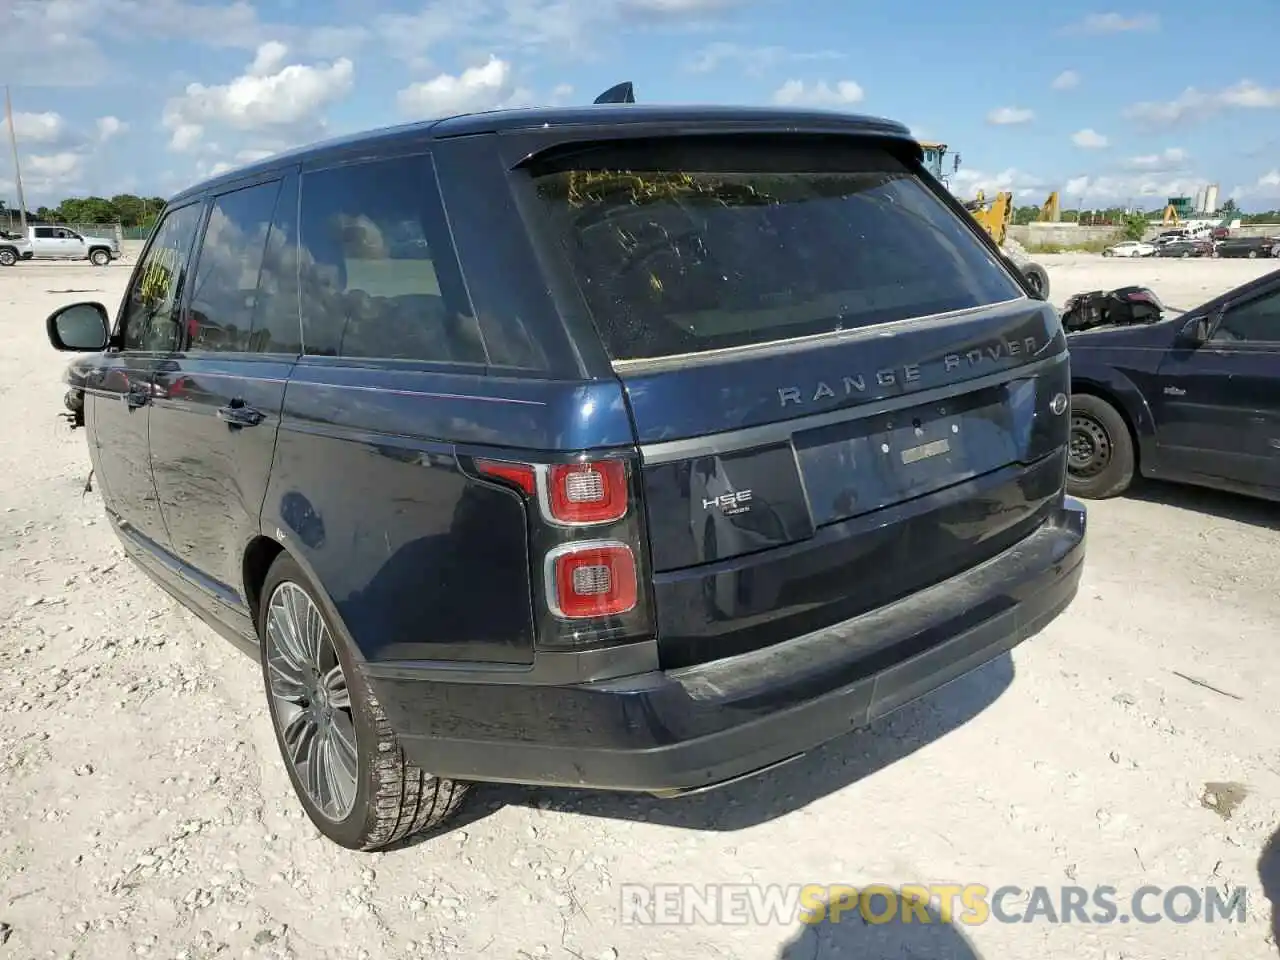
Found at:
[1199, 330]
[79, 328]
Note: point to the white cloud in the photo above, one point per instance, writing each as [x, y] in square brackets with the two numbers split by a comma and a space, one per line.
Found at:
[268, 59]
[753, 60]
[1008, 116]
[1266, 188]
[109, 127]
[270, 96]
[56, 166]
[1250, 96]
[254, 154]
[574, 30]
[1088, 139]
[1194, 104]
[681, 8]
[43, 128]
[1169, 159]
[1143, 190]
[485, 87]
[795, 93]
[38, 38]
[967, 182]
[1066, 80]
[1096, 23]
[49, 176]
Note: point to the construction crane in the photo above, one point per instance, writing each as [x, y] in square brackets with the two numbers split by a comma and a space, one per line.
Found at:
[994, 216]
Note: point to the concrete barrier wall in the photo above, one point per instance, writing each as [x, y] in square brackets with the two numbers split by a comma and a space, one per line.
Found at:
[1063, 234]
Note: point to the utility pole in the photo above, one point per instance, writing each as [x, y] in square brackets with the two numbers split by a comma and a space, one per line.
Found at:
[17, 169]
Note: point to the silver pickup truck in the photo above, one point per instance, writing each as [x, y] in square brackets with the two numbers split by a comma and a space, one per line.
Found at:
[49, 242]
[13, 247]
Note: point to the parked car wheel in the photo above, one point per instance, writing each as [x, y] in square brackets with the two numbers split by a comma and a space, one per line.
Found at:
[1253, 254]
[346, 766]
[99, 258]
[1037, 279]
[1100, 458]
[1108, 253]
[7, 257]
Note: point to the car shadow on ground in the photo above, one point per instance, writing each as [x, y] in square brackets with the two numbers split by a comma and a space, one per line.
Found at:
[1215, 503]
[786, 789]
[852, 937]
[1269, 876]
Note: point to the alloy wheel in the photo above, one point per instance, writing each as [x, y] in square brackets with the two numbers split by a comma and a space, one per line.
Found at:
[312, 705]
[1090, 448]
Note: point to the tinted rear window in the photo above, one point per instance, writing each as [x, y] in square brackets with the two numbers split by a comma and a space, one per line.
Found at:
[687, 246]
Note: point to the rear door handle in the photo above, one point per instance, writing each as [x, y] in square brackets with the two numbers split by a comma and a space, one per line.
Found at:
[238, 415]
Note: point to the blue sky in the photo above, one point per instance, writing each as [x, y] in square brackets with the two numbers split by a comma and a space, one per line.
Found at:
[1105, 104]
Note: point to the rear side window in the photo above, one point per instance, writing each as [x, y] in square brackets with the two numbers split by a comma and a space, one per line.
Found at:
[377, 279]
[685, 246]
[223, 294]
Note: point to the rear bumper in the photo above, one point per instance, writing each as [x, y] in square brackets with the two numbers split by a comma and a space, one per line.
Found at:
[688, 729]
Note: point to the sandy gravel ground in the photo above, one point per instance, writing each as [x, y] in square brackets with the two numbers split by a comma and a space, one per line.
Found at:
[144, 810]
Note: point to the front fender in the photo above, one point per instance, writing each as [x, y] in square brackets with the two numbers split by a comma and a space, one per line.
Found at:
[1118, 389]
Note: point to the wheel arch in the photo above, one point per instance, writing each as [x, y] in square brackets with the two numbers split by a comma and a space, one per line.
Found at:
[1116, 399]
[258, 557]
[260, 553]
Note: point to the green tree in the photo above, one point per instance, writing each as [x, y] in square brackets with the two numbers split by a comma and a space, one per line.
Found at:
[1229, 208]
[1135, 225]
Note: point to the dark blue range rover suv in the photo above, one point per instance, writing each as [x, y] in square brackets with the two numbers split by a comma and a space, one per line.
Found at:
[628, 447]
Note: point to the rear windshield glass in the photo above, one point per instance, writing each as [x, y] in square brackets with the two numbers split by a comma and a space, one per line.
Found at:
[686, 246]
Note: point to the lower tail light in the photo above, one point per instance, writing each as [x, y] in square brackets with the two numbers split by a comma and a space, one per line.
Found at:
[591, 578]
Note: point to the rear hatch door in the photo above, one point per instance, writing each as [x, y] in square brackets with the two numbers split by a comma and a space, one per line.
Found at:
[815, 347]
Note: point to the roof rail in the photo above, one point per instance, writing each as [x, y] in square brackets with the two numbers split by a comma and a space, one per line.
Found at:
[621, 93]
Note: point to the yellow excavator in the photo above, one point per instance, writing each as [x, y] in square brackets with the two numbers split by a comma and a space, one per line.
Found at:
[994, 215]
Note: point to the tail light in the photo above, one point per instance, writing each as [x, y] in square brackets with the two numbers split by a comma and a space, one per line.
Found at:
[586, 541]
[581, 494]
[591, 578]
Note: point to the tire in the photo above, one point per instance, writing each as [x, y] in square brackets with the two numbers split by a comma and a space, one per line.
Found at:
[390, 798]
[1185, 254]
[99, 257]
[1036, 278]
[1253, 254]
[1108, 253]
[1100, 458]
[8, 256]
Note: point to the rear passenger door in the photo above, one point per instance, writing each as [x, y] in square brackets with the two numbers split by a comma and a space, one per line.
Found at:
[366, 487]
[219, 393]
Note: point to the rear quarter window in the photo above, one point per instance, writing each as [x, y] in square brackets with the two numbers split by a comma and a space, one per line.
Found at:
[686, 246]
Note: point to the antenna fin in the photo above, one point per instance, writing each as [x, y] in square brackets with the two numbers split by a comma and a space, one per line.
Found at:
[621, 93]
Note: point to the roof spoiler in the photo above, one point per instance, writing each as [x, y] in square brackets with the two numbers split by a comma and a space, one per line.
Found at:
[621, 93]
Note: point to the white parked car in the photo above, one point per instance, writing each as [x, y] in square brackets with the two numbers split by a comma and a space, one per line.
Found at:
[1130, 248]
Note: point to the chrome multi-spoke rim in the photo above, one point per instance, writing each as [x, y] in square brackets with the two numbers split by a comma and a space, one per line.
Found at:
[312, 704]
